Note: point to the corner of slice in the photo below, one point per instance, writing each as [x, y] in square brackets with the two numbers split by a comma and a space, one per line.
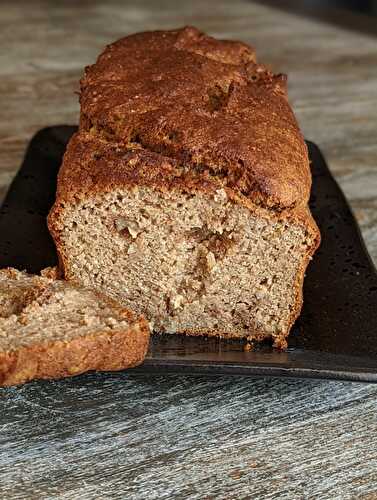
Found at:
[51, 329]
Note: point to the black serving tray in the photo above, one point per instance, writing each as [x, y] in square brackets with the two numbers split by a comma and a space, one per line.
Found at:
[336, 334]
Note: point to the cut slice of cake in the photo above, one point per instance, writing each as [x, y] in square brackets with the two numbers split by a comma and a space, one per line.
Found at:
[185, 192]
[52, 329]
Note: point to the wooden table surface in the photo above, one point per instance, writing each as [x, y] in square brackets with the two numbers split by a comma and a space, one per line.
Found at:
[138, 436]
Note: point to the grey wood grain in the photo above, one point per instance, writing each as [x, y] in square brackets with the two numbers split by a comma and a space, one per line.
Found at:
[125, 436]
[128, 436]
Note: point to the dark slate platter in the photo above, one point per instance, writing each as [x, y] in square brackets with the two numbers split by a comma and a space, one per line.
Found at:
[336, 334]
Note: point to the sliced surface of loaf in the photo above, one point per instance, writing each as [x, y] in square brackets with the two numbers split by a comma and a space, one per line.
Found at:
[184, 194]
[52, 329]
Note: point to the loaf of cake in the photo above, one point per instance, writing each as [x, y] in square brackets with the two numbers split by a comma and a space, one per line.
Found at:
[185, 192]
[53, 329]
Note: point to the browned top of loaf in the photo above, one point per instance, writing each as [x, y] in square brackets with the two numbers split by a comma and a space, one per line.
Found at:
[204, 103]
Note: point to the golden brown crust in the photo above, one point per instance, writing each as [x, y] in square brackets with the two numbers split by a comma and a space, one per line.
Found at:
[205, 103]
[107, 351]
[157, 99]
